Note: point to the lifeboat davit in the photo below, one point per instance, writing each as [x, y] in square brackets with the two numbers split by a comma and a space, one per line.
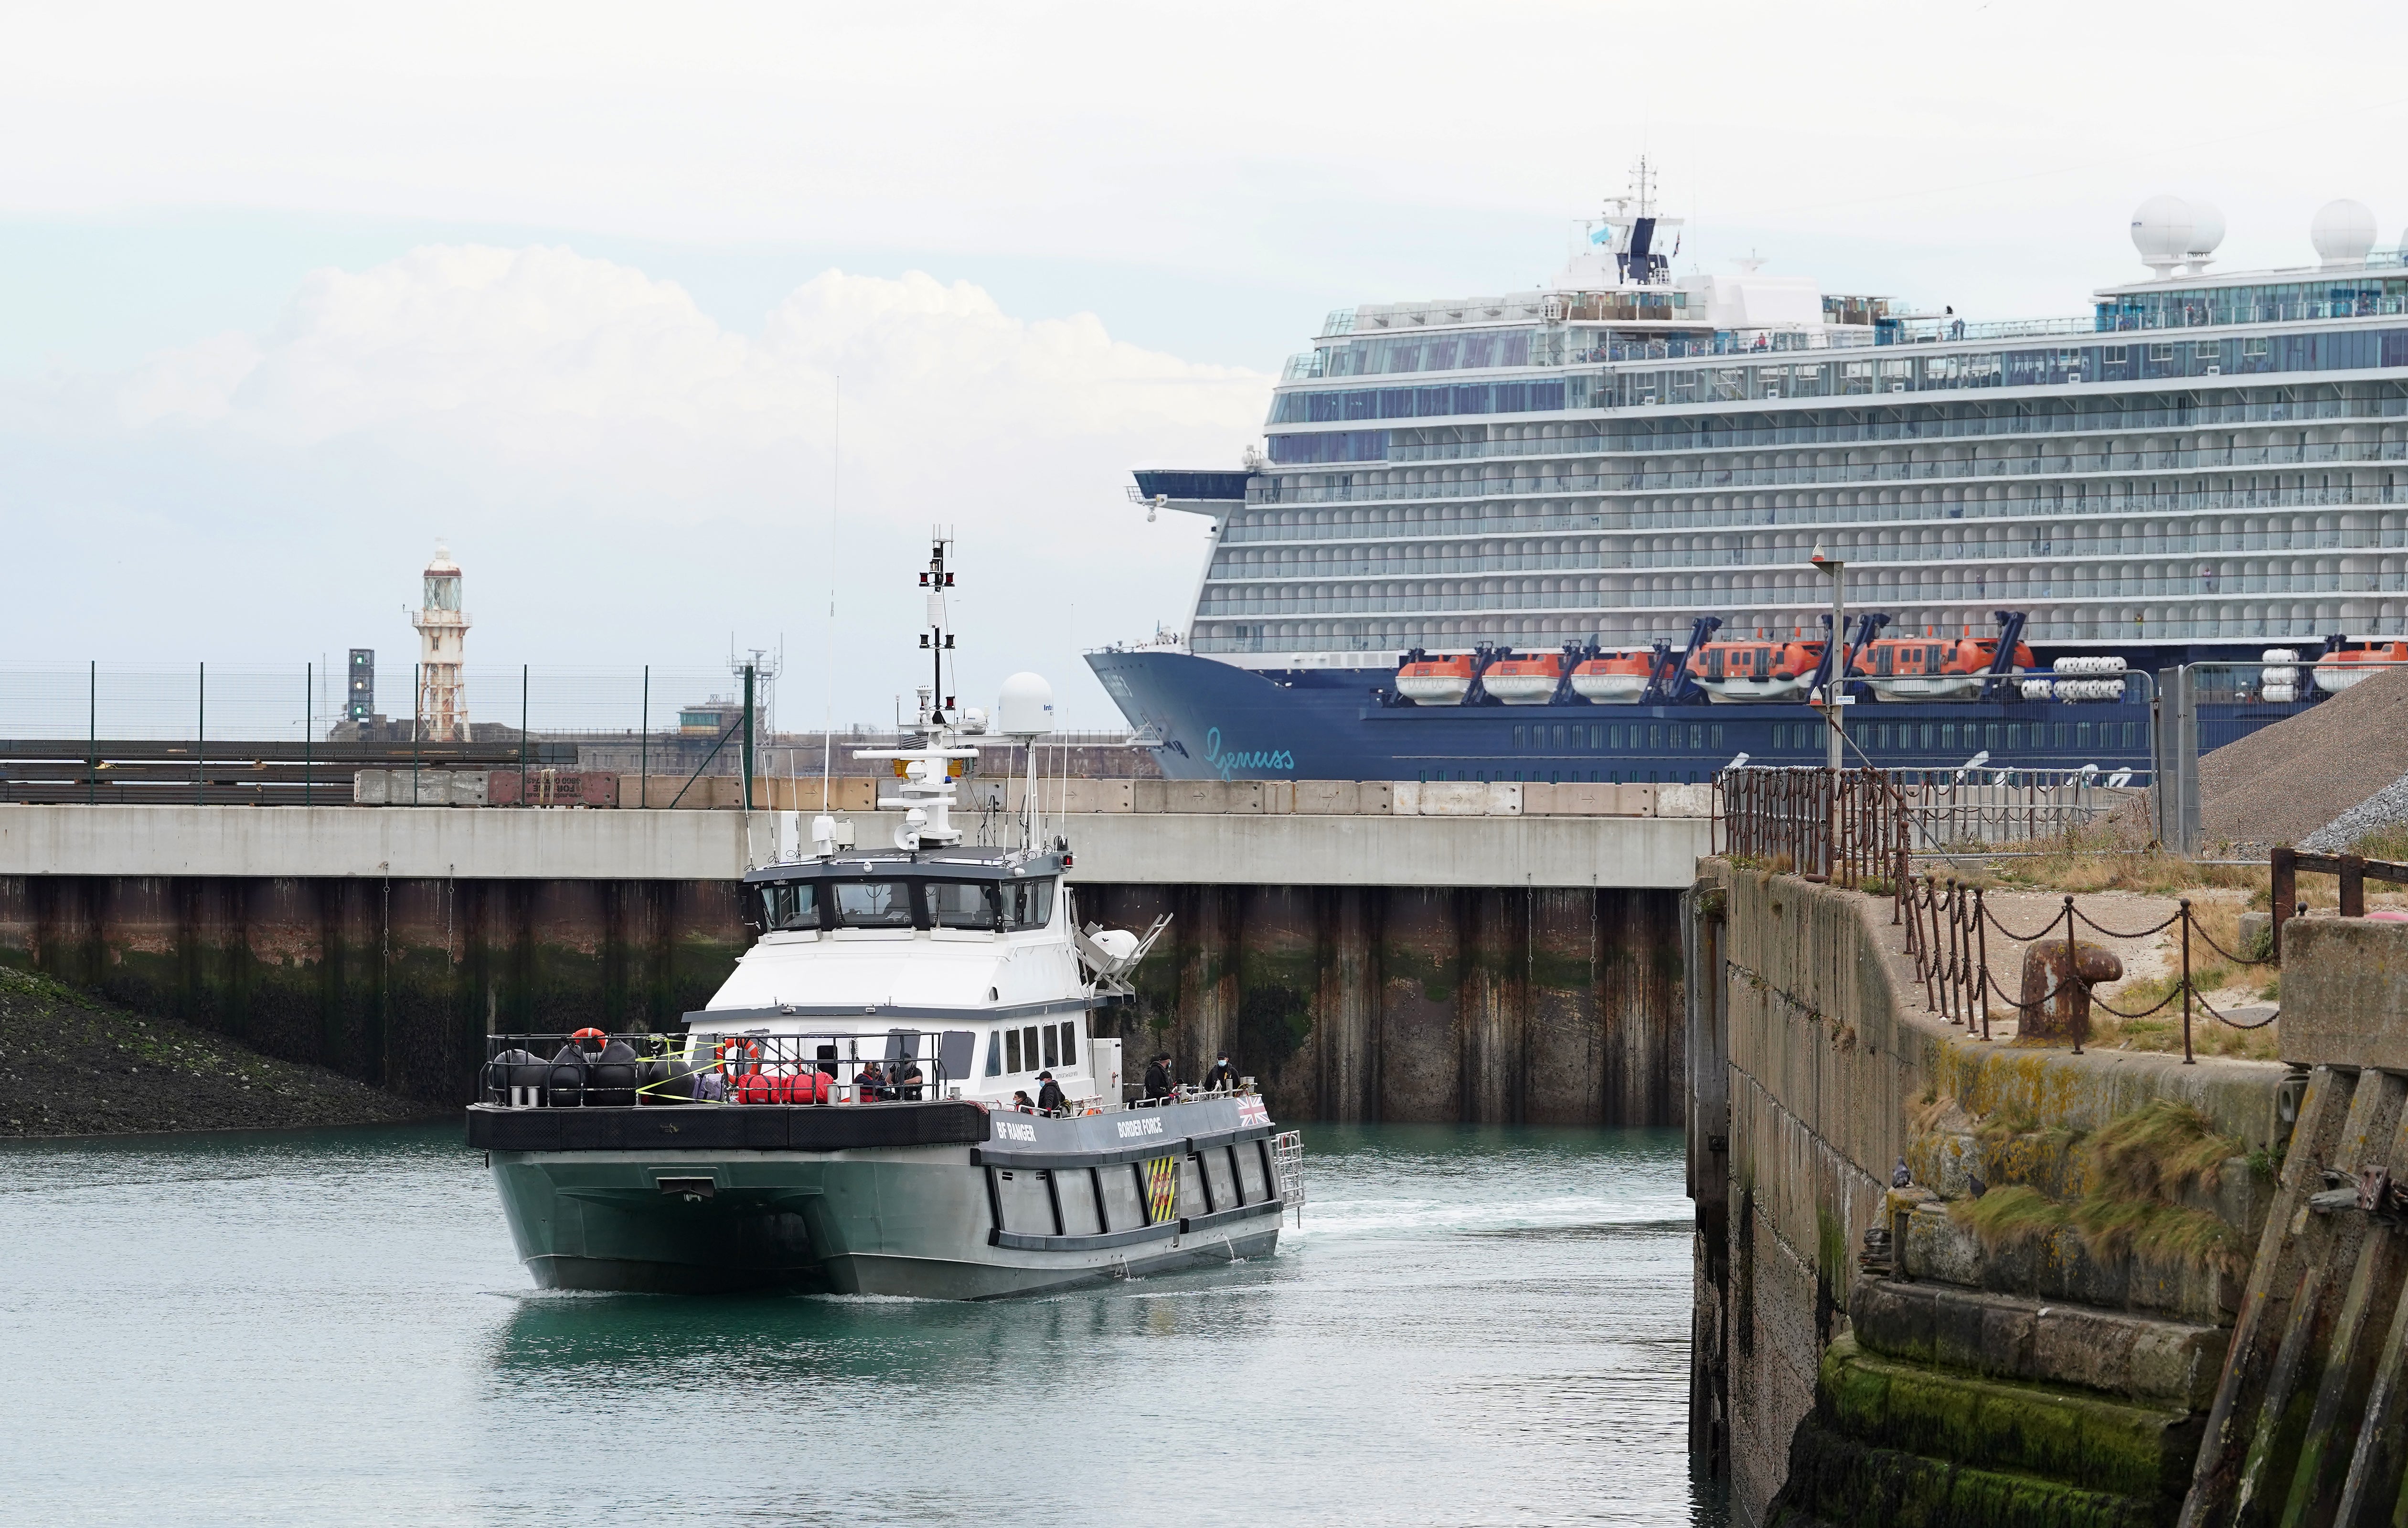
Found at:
[1616, 678]
[1931, 667]
[2338, 671]
[1436, 682]
[1755, 670]
[1524, 681]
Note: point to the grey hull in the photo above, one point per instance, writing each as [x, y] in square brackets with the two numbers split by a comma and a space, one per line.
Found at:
[915, 1221]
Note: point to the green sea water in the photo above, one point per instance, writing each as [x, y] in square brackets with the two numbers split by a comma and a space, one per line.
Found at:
[1474, 1325]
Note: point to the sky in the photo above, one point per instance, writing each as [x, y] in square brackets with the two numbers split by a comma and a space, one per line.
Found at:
[682, 326]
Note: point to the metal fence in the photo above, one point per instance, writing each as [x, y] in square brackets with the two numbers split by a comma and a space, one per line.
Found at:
[1853, 826]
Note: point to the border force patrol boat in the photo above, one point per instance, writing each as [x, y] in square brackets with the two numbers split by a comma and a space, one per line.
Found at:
[857, 1110]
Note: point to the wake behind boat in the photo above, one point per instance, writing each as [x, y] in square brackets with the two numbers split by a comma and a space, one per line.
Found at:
[864, 1108]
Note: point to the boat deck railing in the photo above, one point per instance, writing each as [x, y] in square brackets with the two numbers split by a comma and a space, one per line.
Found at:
[594, 1070]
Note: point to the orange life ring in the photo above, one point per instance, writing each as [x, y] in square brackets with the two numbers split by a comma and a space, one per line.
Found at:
[748, 1054]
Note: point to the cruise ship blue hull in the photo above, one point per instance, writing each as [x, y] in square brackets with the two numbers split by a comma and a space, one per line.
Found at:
[1219, 722]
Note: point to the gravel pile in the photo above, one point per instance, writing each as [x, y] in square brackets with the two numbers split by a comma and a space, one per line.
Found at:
[71, 1064]
[2383, 809]
[2285, 782]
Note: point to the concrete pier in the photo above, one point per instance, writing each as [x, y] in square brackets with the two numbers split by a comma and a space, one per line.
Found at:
[1498, 968]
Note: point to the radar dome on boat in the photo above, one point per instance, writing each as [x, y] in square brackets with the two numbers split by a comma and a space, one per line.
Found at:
[1024, 708]
[2162, 232]
[2343, 232]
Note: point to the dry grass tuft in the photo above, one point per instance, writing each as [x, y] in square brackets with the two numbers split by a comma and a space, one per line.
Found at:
[2011, 1216]
[2160, 1149]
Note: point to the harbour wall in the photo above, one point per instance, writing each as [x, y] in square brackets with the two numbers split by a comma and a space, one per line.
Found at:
[1815, 1068]
[1423, 1003]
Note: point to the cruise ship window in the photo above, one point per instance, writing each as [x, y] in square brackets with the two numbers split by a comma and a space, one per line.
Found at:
[1597, 736]
[1717, 736]
[2015, 737]
[1654, 738]
[1614, 738]
[2060, 734]
[1521, 737]
[2131, 734]
[1559, 737]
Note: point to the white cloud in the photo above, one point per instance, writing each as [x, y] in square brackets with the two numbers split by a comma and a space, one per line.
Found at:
[611, 464]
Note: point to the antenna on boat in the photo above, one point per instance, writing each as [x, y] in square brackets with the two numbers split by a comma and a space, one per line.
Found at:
[925, 793]
[1024, 711]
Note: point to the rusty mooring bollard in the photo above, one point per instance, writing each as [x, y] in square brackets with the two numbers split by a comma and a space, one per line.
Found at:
[2056, 998]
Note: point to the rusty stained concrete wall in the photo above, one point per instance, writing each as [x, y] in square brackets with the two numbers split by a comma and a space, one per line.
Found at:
[1557, 1006]
[394, 982]
[1548, 1006]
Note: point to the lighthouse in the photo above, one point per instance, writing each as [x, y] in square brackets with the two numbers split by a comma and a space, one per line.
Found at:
[442, 638]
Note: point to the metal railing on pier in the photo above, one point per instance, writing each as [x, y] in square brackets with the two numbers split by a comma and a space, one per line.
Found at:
[1864, 824]
[1948, 926]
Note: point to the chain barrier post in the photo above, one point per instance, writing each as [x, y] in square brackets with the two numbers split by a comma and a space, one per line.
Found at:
[2187, 1058]
[1982, 937]
[2077, 1024]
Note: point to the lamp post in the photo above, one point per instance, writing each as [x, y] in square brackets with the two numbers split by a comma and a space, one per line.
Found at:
[1835, 682]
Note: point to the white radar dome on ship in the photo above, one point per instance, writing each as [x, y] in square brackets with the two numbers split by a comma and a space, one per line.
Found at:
[2161, 231]
[2343, 232]
[1025, 709]
[2206, 231]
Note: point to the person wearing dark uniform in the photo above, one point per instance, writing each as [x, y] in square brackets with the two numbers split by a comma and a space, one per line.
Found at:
[907, 1081]
[1158, 1078]
[1222, 1077]
[1050, 1099]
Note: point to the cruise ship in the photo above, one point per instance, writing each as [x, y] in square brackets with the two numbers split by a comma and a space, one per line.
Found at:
[1583, 533]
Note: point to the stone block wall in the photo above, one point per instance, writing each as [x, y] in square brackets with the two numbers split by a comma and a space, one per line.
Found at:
[1833, 1072]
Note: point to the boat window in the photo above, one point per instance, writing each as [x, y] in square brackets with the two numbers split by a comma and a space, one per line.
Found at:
[1052, 1048]
[1027, 1202]
[1029, 1048]
[953, 1050]
[1070, 1044]
[873, 904]
[1029, 904]
[1219, 1180]
[1123, 1209]
[994, 1057]
[1012, 1050]
[1250, 1177]
[790, 904]
[964, 904]
[1075, 1188]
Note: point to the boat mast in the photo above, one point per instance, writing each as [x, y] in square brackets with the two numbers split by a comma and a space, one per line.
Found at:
[924, 783]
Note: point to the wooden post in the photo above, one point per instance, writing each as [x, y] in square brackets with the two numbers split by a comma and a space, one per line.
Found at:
[2353, 886]
[2285, 888]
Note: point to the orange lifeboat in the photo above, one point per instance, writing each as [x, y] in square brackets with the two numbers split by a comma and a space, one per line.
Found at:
[2338, 671]
[1524, 681]
[1755, 670]
[1931, 667]
[1436, 682]
[1616, 679]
